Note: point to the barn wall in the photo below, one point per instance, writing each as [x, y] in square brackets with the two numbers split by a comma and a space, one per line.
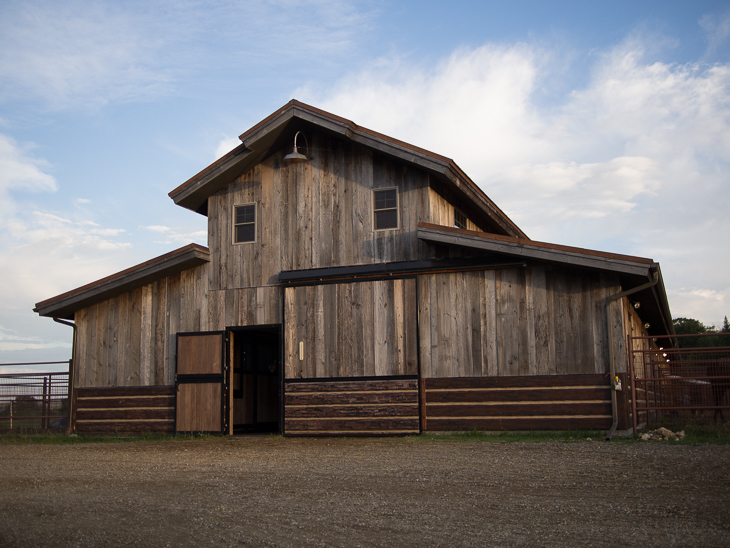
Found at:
[351, 329]
[634, 326]
[129, 340]
[538, 320]
[441, 211]
[547, 402]
[315, 214]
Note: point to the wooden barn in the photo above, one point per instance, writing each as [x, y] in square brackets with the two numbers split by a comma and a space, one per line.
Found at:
[355, 284]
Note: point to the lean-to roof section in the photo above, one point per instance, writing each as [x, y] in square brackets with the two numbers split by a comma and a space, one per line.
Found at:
[277, 131]
[64, 305]
[632, 271]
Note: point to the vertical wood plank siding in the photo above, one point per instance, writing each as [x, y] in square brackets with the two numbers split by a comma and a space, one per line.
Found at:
[347, 407]
[319, 214]
[351, 330]
[539, 320]
[126, 409]
[503, 325]
[550, 402]
[129, 340]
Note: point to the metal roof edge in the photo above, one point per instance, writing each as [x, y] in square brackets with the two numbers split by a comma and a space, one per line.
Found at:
[421, 157]
[535, 250]
[179, 260]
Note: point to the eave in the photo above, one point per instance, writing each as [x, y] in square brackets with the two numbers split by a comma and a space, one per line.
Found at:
[66, 304]
[276, 132]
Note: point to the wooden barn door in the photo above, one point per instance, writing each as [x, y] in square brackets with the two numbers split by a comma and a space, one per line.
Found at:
[201, 382]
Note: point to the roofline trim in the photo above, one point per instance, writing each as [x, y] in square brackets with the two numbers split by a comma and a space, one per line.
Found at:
[577, 256]
[178, 260]
[406, 151]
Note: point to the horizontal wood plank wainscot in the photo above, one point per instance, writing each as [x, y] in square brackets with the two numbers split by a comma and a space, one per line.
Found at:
[385, 406]
[546, 402]
[125, 409]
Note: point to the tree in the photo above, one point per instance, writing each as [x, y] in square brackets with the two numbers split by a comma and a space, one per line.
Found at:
[690, 326]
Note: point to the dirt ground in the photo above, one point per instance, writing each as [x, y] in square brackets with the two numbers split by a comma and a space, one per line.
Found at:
[364, 492]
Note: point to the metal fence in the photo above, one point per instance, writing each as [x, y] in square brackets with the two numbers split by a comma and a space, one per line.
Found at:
[33, 401]
[674, 381]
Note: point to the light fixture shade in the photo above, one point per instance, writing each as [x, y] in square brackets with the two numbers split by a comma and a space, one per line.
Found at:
[296, 157]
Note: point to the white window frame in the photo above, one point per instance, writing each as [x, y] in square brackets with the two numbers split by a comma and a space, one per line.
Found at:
[234, 224]
[397, 208]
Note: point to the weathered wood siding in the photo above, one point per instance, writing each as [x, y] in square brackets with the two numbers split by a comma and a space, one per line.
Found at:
[547, 402]
[129, 340]
[441, 211]
[387, 406]
[320, 214]
[538, 320]
[125, 409]
[351, 329]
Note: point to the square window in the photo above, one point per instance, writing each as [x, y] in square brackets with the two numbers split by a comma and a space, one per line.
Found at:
[385, 208]
[244, 223]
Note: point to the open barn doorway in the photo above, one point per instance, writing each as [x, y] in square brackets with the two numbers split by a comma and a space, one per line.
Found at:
[256, 379]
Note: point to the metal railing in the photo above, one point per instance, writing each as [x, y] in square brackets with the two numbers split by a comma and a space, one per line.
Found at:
[33, 401]
[672, 380]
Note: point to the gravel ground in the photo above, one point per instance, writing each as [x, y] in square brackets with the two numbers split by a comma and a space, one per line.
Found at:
[364, 492]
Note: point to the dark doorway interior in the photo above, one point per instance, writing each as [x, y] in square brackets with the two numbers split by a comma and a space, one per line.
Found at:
[256, 380]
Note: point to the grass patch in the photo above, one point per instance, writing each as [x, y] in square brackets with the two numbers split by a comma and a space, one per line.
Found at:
[54, 438]
[537, 436]
[695, 432]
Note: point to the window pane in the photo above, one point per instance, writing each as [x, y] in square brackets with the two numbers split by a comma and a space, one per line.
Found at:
[246, 214]
[386, 199]
[386, 219]
[246, 233]
[459, 219]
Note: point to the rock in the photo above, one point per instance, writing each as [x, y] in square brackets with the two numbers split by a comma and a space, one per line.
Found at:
[662, 434]
[666, 434]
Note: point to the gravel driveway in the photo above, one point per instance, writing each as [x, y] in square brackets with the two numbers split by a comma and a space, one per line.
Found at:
[364, 492]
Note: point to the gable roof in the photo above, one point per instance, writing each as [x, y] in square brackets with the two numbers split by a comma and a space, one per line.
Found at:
[277, 131]
[65, 304]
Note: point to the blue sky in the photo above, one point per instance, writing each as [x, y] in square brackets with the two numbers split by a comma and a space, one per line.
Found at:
[603, 125]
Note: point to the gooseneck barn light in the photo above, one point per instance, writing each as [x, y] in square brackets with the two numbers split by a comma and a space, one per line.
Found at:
[295, 157]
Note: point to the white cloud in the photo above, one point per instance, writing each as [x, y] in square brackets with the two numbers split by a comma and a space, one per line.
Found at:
[717, 30]
[11, 339]
[226, 145]
[80, 251]
[637, 161]
[19, 171]
[78, 53]
[157, 228]
[81, 54]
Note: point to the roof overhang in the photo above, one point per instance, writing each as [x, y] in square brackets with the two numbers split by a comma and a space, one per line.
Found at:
[66, 304]
[632, 271]
[277, 131]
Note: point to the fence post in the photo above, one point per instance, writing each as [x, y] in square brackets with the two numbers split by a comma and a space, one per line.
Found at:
[633, 381]
[44, 406]
[11, 415]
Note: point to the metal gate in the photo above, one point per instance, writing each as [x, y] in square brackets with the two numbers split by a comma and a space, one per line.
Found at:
[670, 380]
[34, 401]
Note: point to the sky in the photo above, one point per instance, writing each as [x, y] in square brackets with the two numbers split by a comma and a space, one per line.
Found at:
[603, 125]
